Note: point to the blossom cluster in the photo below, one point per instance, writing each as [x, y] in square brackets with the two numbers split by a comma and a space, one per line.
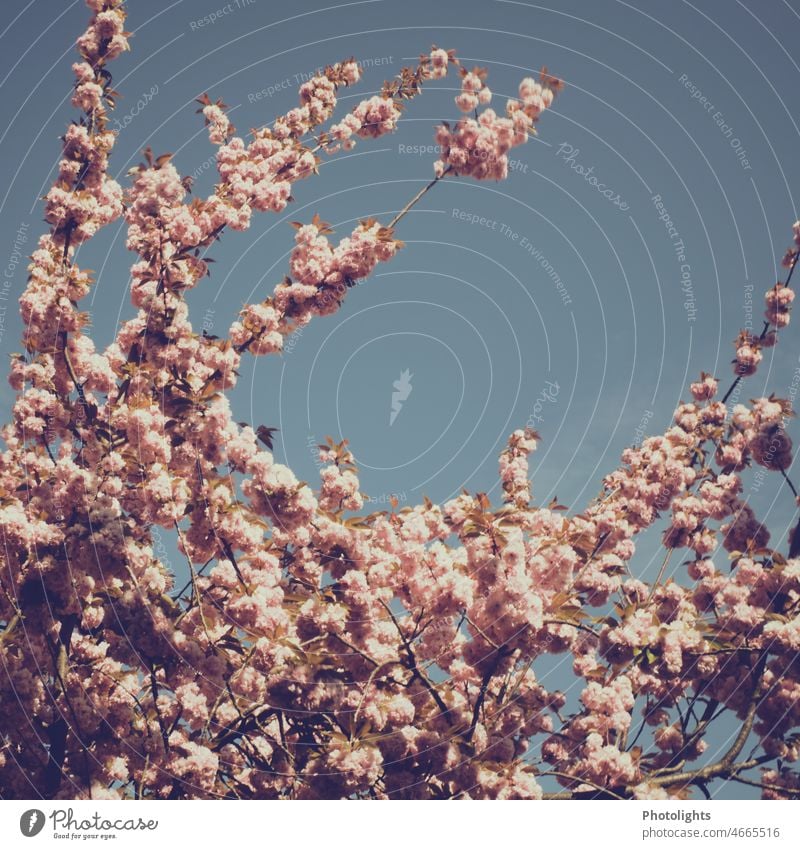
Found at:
[478, 146]
[777, 314]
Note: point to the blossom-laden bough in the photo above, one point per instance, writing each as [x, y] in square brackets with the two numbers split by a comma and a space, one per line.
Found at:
[316, 651]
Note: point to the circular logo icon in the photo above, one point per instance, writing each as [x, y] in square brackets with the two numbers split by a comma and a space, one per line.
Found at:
[31, 822]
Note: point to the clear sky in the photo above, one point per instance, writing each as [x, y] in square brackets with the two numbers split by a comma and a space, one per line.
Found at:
[579, 306]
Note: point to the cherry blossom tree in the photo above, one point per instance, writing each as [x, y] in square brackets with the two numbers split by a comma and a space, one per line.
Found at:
[318, 651]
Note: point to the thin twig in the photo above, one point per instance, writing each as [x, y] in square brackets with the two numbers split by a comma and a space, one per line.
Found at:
[407, 208]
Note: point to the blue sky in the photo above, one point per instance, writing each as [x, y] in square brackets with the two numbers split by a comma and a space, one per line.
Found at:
[545, 299]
